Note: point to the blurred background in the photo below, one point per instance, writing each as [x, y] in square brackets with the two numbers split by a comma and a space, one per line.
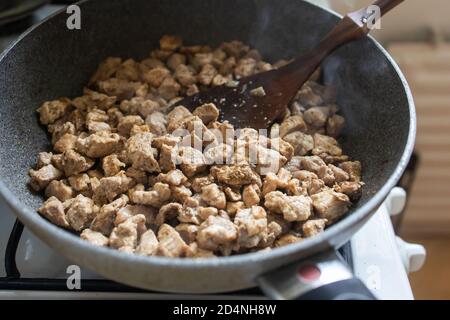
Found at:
[417, 36]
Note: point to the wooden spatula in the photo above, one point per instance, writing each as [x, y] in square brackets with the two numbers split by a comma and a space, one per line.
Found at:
[257, 101]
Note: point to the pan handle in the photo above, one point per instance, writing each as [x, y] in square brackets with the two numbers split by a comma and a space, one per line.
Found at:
[322, 277]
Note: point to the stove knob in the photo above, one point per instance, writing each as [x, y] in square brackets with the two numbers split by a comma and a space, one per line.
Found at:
[413, 255]
[396, 201]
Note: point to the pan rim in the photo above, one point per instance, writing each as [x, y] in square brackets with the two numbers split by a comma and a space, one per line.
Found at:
[39, 225]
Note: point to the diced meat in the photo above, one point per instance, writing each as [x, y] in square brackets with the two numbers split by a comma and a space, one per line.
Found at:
[53, 210]
[234, 194]
[352, 189]
[244, 68]
[169, 88]
[43, 159]
[126, 234]
[120, 88]
[110, 187]
[99, 144]
[292, 124]
[104, 220]
[170, 42]
[157, 123]
[155, 198]
[206, 74]
[353, 168]
[92, 99]
[112, 165]
[185, 75]
[235, 175]
[339, 174]
[302, 143]
[173, 177]
[74, 163]
[51, 111]
[126, 124]
[141, 153]
[180, 193]
[215, 233]
[80, 213]
[155, 76]
[293, 208]
[188, 232]
[207, 113]
[316, 117]
[234, 206]
[80, 182]
[191, 161]
[175, 60]
[335, 125]
[251, 195]
[170, 242]
[106, 69]
[167, 212]
[148, 244]
[251, 225]
[330, 205]
[176, 117]
[59, 189]
[41, 178]
[199, 182]
[94, 237]
[307, 97]
[313, 227]
[66, 142]
[213, 196]
[168, 157]
[287, 239]
[325, 144]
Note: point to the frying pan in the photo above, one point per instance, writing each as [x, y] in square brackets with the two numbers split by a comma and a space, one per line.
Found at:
[50, 61]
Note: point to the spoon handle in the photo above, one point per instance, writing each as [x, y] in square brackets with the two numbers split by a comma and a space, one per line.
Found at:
[351, 27]
[387, 5]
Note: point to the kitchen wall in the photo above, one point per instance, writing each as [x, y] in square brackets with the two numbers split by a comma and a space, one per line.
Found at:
[411, 20]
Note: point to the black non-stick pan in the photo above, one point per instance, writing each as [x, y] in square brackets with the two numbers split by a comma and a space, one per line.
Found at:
[50, 61]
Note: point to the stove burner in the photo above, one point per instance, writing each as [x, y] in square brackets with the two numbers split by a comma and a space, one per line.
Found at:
[19, 9]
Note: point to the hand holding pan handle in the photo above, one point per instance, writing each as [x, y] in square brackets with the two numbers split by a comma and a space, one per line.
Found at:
[323, 277]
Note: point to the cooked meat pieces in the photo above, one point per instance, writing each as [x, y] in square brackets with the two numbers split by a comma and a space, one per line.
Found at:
[94, 237]
[216, 233]
[213, 196]
[51, 111]
[60, 190]
[251, 225]
[330, 205]
[170, 242]
[99, 144]
[53, 210]
[141, 154]
[80, 212]
[42, 177]
[148, 244]
[130, 171]
[313, 227]
[293, 208]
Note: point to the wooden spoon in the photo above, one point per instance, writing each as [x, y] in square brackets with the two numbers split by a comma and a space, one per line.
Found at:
[258, 100]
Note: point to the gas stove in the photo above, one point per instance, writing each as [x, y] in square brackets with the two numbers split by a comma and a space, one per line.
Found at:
[31, 270]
